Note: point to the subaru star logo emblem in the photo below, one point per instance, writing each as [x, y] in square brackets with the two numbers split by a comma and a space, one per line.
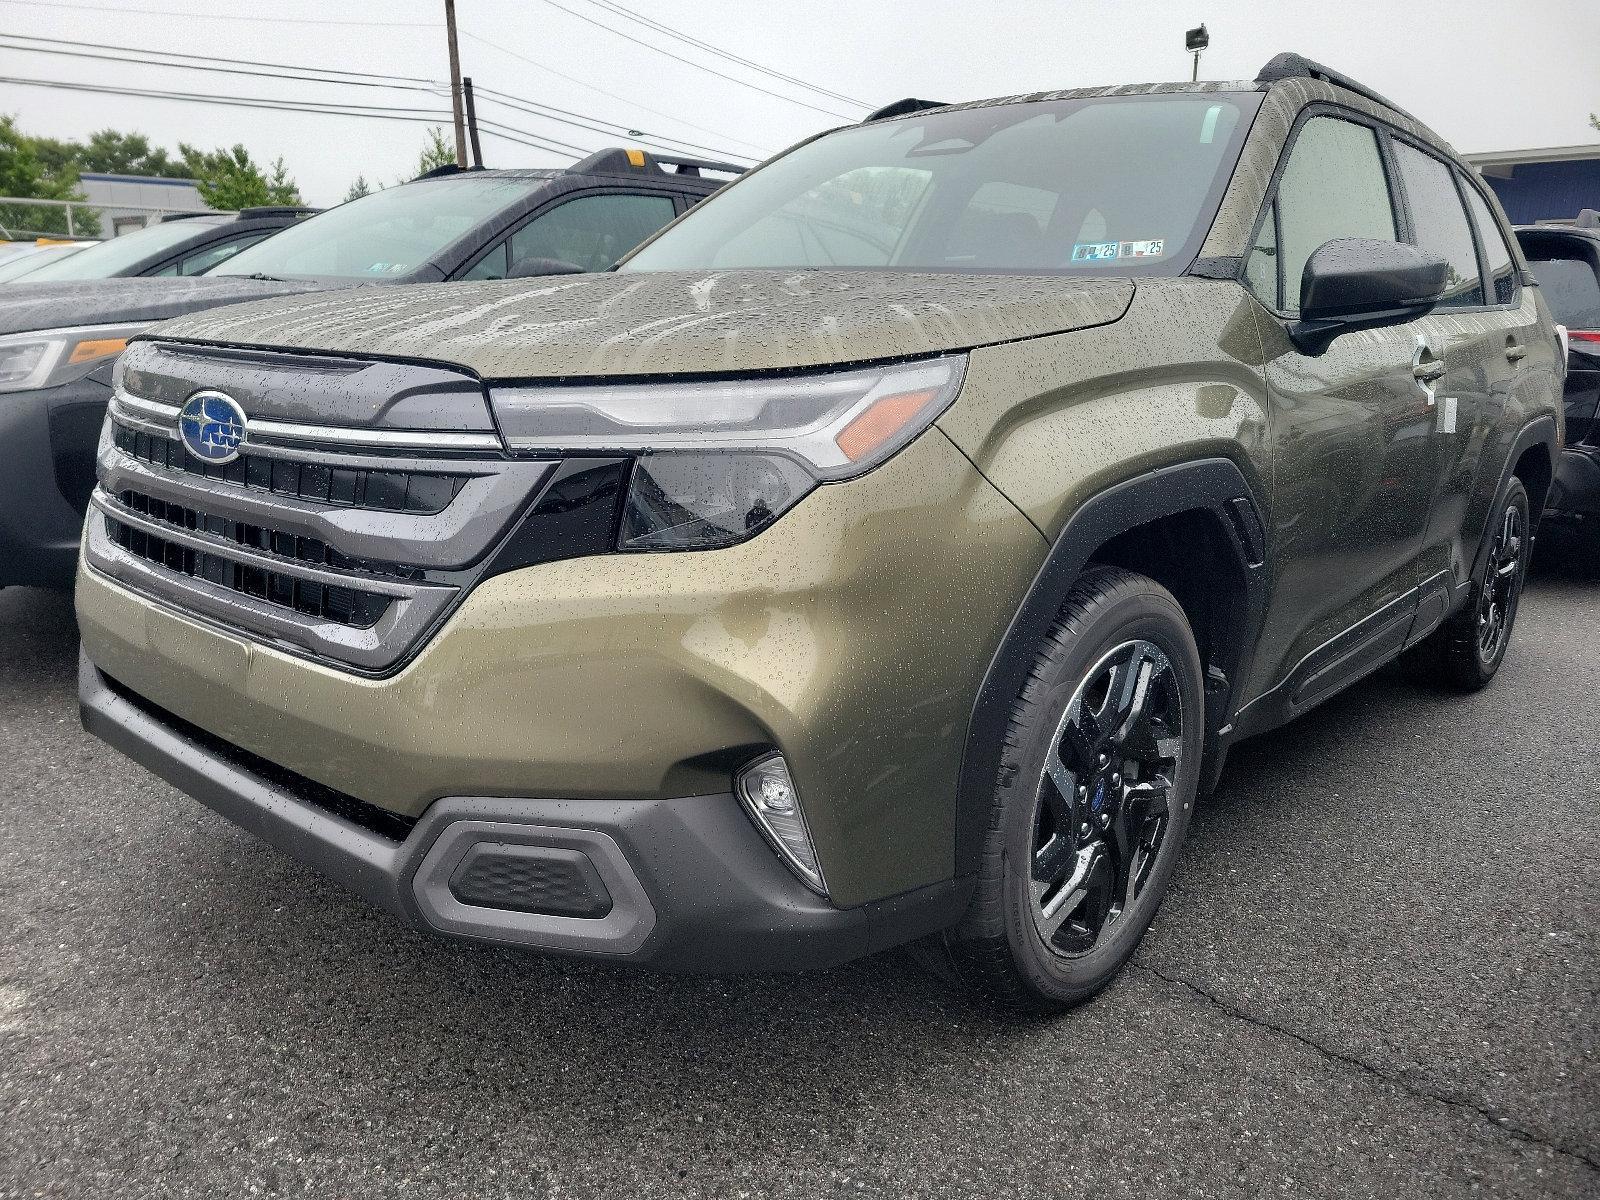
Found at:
[212, 426]
[1099, 800]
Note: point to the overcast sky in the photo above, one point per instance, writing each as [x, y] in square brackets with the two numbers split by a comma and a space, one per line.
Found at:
[1487, 74]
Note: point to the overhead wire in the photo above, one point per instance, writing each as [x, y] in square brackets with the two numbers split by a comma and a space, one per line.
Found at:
[651, 23]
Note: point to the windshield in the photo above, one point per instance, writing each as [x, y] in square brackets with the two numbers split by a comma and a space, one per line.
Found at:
[384, 235]
[1112, 185]
[30, 264]
[117, 255]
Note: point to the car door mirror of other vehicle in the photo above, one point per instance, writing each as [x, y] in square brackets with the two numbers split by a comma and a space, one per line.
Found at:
[1360, 283]
[526, 268]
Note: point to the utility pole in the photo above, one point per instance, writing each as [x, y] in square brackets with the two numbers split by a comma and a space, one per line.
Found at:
[455, 83]
[472, 122]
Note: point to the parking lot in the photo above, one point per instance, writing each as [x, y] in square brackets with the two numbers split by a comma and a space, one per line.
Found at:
[1376, 976]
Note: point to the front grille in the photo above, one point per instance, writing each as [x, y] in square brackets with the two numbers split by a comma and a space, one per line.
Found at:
[279, 542]
[342, 605]
[392, 826]
[389, 491]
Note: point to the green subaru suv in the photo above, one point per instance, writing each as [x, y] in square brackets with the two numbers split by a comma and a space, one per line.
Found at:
[886, 554]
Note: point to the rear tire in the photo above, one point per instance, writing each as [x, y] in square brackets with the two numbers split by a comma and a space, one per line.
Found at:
[1092, 802]
[1466, 651]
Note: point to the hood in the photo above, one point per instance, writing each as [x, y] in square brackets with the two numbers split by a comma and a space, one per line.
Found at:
[670, 322]
[25, 307]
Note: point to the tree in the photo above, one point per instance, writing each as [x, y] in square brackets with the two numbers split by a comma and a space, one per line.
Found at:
[231, 179]
[358, 189]
[26, 173]
[435, 152]
[116, 153]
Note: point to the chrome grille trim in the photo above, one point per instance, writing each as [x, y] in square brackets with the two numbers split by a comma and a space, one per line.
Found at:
[447, 540]
[405, 620]
[128, 407]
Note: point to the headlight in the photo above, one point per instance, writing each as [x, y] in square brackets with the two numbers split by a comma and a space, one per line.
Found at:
[51, 357]
[720, 460]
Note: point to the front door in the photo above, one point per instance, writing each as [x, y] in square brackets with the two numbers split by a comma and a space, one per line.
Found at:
[1352, 431]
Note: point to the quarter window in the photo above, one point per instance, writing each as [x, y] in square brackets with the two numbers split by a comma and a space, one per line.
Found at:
[1439, 223]
[1333, 186]
[1501, 281]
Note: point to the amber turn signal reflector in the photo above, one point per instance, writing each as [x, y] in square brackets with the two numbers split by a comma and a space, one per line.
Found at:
[99, 348]
[876, 425]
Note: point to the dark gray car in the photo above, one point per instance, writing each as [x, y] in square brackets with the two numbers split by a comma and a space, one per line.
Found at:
[58, 342]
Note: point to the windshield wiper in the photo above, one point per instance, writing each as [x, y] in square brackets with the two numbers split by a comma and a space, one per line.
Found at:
[266, 278]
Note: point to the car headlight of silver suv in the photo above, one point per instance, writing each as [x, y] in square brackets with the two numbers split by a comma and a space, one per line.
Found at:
[719, 460]
[51, 357]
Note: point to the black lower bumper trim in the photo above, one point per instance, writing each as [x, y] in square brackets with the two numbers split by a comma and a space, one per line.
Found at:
[691, 883]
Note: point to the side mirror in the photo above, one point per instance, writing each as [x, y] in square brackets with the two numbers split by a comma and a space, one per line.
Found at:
[1361, 283]
[527, 268]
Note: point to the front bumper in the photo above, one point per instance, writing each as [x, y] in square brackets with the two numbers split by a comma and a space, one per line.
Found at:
[688, 883]
[47, 449]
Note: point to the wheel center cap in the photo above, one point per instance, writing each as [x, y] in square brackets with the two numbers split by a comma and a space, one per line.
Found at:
[1097, 801]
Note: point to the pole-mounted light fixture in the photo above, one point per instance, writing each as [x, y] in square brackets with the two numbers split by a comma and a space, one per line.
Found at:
[1196, 40]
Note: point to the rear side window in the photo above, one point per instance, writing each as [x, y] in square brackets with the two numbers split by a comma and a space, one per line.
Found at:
[1333, 186]
[1439, 223]
[1571, 288]
[591, 232]
[202, 261]
[1502, 281]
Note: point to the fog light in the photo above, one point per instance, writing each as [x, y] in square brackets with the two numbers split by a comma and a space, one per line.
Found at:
[767, 791]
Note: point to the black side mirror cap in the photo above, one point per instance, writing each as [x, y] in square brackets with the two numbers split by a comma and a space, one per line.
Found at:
[528, 268]
[1361, 283]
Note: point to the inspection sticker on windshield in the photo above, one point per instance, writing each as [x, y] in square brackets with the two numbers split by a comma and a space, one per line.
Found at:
[1094, 251]
[1149, 249]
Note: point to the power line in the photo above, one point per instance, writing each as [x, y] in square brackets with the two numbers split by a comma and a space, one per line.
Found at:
[298, 74]
[205, 16]
[697, 66]
[651, 23]
[321, 108]
[483, 41]
[248, 62]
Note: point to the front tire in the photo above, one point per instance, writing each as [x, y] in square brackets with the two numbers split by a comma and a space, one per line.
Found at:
[1092, 803]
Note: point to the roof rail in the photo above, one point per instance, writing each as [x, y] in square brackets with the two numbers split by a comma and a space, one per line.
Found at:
[444, 169]
[900, 108]
[1296, 66]
[187, 216]
[618, 161]
[278, 210]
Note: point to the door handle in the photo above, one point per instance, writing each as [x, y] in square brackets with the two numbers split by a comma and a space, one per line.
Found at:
[1427, 372]
[1514, 351]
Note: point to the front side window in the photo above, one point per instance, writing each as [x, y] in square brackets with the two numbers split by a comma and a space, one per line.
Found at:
[1439, 223]
[1502, 281]
[591, 232]
[385, 235]
[1095, 186]
[1333, 186]
[121, 252]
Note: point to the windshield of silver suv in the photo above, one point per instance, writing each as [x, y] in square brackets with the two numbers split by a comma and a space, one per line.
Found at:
[1108, 185]
[112, 257]
[388, 233]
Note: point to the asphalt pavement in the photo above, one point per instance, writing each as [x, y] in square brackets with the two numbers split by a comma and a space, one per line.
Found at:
[1376, 975]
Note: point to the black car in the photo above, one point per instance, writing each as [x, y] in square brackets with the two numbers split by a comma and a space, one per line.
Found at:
[58, 341]
[1566, 261]
[178, 244]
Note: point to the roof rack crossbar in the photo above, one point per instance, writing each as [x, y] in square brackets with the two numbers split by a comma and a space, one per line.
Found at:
[1297, 66]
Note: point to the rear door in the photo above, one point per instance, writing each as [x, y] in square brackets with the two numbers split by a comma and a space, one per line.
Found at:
[1478, 333]
[1352, 432]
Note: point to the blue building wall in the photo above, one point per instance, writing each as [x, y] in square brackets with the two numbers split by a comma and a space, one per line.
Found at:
[1539, 191]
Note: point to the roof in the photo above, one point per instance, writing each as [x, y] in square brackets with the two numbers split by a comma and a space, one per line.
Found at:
[1516, 158]
[102, 177]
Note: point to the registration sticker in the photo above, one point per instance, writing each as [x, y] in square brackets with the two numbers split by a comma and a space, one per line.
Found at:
[1083, 252]
[1154, 248]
